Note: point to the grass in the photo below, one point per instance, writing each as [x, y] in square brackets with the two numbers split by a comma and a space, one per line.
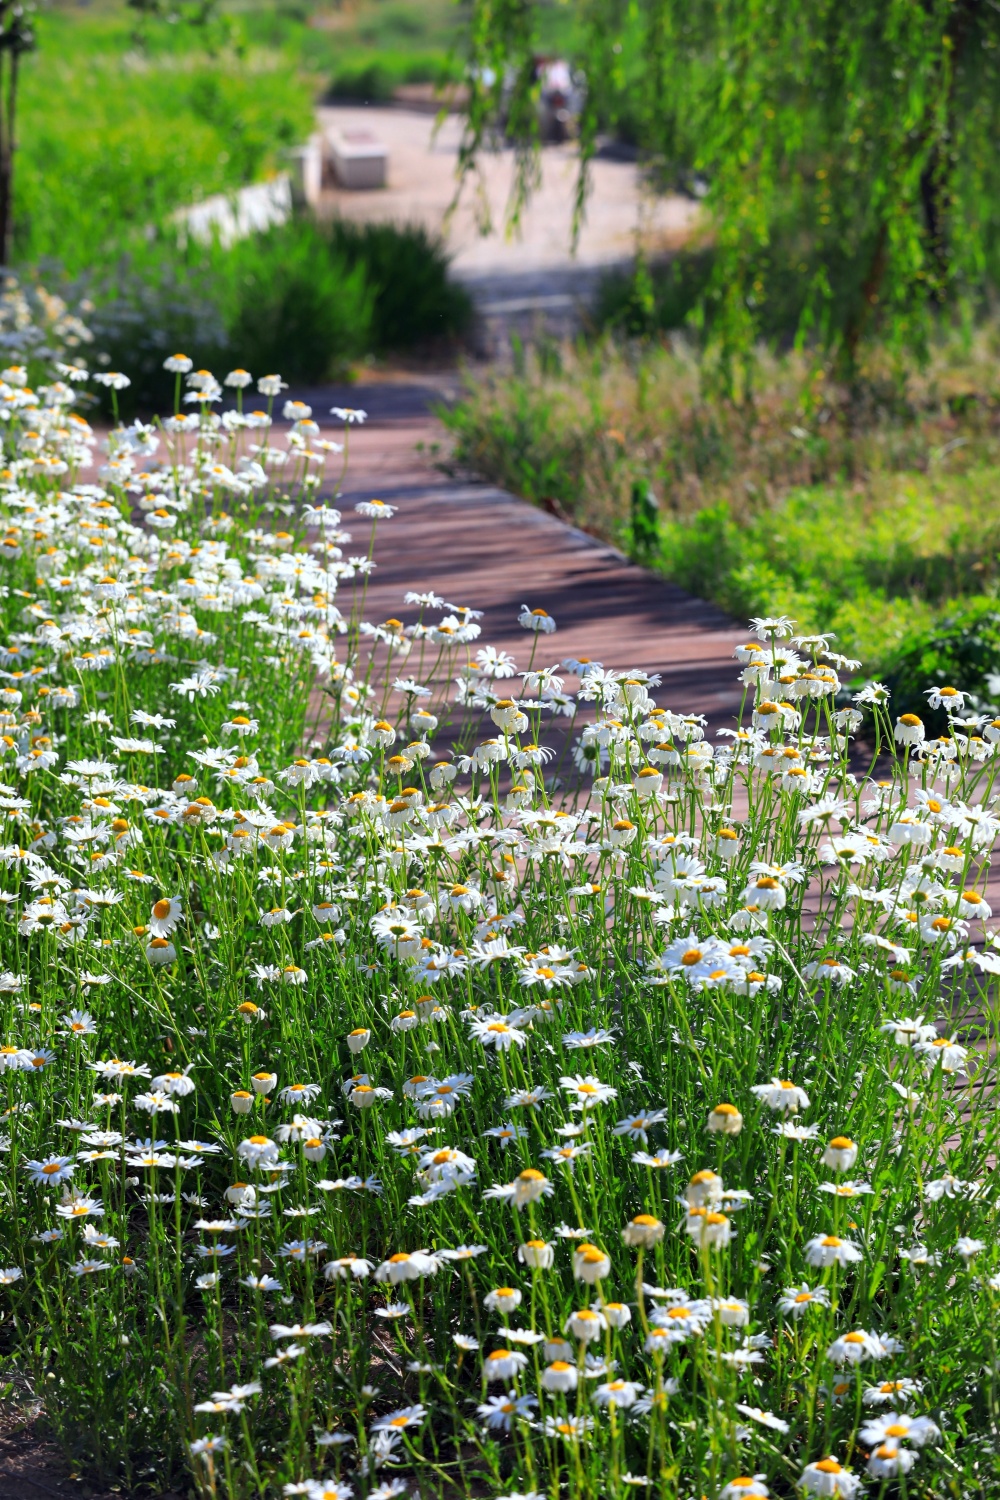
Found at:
[869, 514]
[392, 1107]
[113, 138]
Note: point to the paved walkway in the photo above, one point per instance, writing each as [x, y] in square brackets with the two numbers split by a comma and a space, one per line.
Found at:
[523, 275]
[480, 546]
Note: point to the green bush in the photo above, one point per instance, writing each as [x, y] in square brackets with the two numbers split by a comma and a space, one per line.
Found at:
[415, 301]
[284, 300]
[300, 299]
[292, 302]
[655, 297]
[367, 83]
[519, 444]
[962, 649]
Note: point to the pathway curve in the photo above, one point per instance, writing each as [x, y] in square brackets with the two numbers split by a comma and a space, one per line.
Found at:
[478, 545]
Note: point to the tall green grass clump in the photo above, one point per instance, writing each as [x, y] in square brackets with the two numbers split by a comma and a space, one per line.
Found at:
[306, 298]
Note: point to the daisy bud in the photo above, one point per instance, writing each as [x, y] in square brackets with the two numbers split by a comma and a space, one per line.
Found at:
[529, 1186]
[732, 1312]
[830, 1250]
[888, 1460]
[648, 781]
[704, 1187]
[559, 1376]
[507, 716]
[381, 734]
[160, 951]
[727, 843]
[503, 1364]
[590, 1264]
[537, 1254]
[585, 1324]
[502, 1299]
[909, 730]
[622, 833]
[643, 1232]
[708, 1228]
[725, 1119]
[841, 1154]
[829, 1478]
[557, 1348]
[538, 621]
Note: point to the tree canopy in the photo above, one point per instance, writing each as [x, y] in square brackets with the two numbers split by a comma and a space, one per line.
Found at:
[847, 148]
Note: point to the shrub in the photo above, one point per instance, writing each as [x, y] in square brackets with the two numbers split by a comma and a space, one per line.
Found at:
[294, 303]
[962, 648]
[281, 300]
[371, 79]
[367, 83]
[299, 298]
[653, 297]
[415, 301]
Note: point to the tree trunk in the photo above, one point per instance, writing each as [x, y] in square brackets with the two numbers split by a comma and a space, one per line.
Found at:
[10, 146]
[869, 297]
[5, 166]
[930, 200]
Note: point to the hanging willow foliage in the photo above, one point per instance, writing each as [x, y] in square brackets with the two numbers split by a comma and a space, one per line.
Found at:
[849, 147]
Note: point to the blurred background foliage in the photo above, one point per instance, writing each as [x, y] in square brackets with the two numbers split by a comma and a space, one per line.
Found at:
[844, 148]
[128, 115]
[871, 510]
[302, 299]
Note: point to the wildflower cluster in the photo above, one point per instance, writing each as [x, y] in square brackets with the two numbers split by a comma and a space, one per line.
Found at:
[425, 1068]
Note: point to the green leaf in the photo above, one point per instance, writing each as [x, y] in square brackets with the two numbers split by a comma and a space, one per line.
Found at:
[877, 1275]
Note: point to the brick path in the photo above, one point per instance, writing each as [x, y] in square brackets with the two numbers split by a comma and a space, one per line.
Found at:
[480, 546]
